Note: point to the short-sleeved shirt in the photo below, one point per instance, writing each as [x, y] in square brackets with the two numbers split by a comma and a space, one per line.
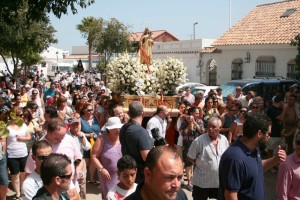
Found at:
[206, 173]
[241, 171]
[86, 128]
[277, 125]
[134, 139]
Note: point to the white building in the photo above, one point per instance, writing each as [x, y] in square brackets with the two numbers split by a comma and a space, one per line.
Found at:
[258, 45]
[187, 50]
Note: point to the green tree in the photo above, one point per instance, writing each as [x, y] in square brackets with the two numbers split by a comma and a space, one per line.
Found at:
[113, 39]
[22, 37]
[37, 8]
[91, 29]
[296, 42]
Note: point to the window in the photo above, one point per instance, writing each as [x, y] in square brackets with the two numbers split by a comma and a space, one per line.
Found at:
[236, 69]
[288, 12]
[292, 72]
[265, 66]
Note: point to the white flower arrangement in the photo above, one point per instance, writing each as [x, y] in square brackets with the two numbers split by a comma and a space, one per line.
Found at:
[127, 76]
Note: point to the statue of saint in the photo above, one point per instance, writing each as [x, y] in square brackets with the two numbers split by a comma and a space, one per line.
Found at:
[145, 47]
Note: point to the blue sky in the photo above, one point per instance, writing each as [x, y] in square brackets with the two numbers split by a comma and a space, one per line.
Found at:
[175, 16]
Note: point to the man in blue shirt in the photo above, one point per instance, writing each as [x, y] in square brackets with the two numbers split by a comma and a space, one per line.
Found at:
[241, 168]
[50, 92]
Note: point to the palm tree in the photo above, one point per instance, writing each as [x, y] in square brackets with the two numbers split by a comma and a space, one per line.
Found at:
[90, 28]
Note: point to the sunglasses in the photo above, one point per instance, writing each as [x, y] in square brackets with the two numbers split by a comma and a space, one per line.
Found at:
[89, 110]
[254, 107]
[42, 157]
[34, 93]
[297, 142]
[68, 176]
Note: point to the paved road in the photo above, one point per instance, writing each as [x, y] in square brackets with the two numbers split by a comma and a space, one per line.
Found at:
[93, 192]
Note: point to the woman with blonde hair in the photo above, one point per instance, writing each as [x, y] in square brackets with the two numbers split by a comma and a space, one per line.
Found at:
[119, 112]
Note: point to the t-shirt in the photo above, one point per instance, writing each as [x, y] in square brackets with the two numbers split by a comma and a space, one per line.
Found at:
[241, 171]
[273, 112]
[15, 148]
[117, 193]
[134, 139]
[31, 185]
[137, 195]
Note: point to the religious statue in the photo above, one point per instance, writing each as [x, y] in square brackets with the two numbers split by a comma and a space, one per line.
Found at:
[145, 48]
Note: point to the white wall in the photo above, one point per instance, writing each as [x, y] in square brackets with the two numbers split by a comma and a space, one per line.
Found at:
[281, 53]
[187, 50]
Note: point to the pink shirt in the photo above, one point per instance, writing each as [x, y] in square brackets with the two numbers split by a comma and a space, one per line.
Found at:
[288, 183]
[67, 146]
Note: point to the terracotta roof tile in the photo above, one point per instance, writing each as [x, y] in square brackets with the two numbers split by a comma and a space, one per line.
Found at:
[136, 36]
[264, 25]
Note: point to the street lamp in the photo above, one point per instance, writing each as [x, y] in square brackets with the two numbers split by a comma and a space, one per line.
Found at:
[194, 29]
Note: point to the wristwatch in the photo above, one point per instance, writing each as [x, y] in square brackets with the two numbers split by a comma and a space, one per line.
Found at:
[100, 170]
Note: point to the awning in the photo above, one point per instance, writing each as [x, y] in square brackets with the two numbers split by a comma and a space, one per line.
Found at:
[292, 62]
[237, 61]
[265, 59]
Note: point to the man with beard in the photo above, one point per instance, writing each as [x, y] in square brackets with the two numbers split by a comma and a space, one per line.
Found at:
[163, 174]
[241, 168]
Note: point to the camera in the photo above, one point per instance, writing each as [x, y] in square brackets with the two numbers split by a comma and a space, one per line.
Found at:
[158, 141]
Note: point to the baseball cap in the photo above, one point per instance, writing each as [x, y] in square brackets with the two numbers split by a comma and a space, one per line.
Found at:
[112, 122]
[74, 120]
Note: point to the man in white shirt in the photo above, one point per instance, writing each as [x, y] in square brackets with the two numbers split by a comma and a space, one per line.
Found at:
[83, 144]
[160, 121]
[207, 147]
[33, 182]
[246, 100]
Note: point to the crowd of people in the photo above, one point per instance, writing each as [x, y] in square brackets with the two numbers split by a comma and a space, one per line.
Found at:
[71, 131]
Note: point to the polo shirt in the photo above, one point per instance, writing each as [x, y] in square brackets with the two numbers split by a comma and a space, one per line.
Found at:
[241, 171]
[43, 194]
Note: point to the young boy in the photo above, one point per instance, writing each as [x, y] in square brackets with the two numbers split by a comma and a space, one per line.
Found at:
[127, 172]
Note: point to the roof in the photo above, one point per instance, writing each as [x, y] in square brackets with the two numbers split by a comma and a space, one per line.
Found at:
[155, 34]
[265, 24]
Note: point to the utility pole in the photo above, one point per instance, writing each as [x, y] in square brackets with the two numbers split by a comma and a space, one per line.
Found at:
[194, 33]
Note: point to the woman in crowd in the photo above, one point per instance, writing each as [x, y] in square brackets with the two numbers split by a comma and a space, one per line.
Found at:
[102, 110]
[209, 111]
[228, 119]
[119, 112]
[191, 128]
[17, 150]
[253, 107]
[24, 97]
[36, 112]
[236, 128]
[91, 128]
[76, 99]
[106, 153]
[63, 108]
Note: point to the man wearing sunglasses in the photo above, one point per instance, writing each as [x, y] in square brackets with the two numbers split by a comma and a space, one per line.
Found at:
[56, 173]
[33, 182]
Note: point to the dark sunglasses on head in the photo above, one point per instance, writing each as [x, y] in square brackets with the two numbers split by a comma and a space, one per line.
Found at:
[41, 157]
[297, 142]
[68, 176]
